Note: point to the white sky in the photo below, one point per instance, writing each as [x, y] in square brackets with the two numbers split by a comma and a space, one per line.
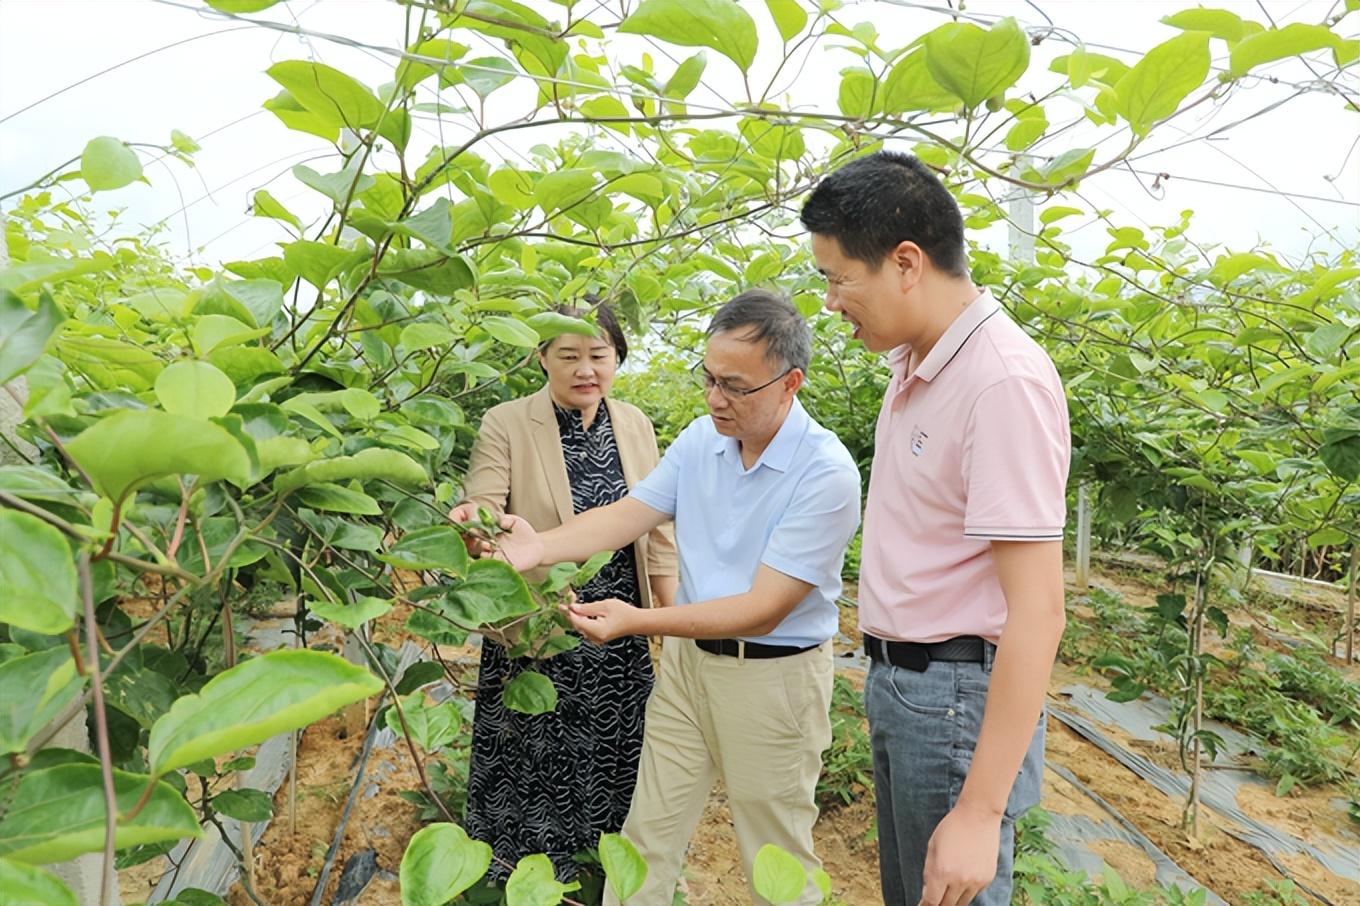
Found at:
[212, 89]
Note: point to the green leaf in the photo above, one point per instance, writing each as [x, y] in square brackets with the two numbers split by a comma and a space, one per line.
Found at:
[720, 24]
[108, 163]
[910, 86]
[337, 498]
[411, 73]
[246, 704]
[431, 726]
[427, 269]
[195, 389]
[777, 875]
[623, 866]
[253, 302]
[109, 363]
[338, 99]
[1026, 132]
[361, 404]
[239, 7]
[33, 687]
[1326, 341]
[425, 335]
[789, 17]
[1276, 44]
[1081, 65]
[1340, 452]
[371, 464]
[1156, 85]
[550, 324]
[686, 77]
[320, 262]
[492, 591]
[37, 576]
[530, 693]
[1287, 783]
[510, 331]
[437, 547]
[251, 806]
[23, 883]
[975, 65]
[432, 226]
[857, 92]
[534, 883]
[486, 74]
[266, 205]
[441, 862]
[563, 189]
[58, 813]
[351, 616]
[24, 333]
[1218, 22]
[339, 187]
[129, 448]
[293, 115]
[211, 331]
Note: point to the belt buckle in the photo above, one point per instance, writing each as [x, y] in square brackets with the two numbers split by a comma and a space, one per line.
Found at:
[915, 657]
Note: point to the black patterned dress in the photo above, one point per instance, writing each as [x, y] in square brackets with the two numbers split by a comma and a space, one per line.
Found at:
[552, 783]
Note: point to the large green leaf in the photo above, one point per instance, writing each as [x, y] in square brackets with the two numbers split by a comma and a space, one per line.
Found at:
[1340, 452]
[441, 862]
[1153, 89]
[492, 591]
[534, 883]
[511, 331]
[195, 389]
[33, 688]
[319, 262]
[686, 77]
[23, 883]
[24, 333]
[129, 448]
[37, 576]
[530, 693]
[789, 17]
[432, 226]
[58, 813]
[266, 205]
[244, 805]
[330, 94]
[367, 465]
[337, 498]
[339, 187]
[108, 163]
[486, 74]
[564, 189]
[974, 64]
[437, 547]
[299, 118]
[427, 269]
[109, 363]
[351, 616]
[910, 86]
[624, 867]
[777, 875]
[432, 726]
[1276, 44]
[720, 24]
[1219, 22]
[858, 92]
[271, 694]
[412, 72]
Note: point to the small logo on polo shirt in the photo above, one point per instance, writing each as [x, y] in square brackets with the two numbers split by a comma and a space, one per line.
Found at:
[918, 440]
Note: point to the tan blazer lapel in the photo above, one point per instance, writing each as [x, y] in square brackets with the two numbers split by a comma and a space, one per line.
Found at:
[548, 451]
[624, 441]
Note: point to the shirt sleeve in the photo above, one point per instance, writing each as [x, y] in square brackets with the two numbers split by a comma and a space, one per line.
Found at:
[1015, 460]
[661, 487]
[809, 541]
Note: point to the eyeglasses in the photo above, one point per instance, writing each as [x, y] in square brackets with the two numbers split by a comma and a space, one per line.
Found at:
[731, 393]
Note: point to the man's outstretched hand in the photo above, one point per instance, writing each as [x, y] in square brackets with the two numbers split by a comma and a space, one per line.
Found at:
[518, 544]
[603, 621]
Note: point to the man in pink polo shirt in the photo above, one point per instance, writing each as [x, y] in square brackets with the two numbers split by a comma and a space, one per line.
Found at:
[961, 588]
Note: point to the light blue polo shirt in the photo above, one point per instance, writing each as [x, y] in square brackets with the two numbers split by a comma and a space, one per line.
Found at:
[795, 511]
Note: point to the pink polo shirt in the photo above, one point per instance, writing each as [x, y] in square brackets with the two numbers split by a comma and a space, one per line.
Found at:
[970, 448]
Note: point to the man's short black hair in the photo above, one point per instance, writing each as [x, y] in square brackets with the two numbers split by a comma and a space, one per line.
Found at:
[876, 202]
[771, 317]
[606, 324]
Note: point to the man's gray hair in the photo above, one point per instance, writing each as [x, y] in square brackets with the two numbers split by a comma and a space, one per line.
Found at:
[771, 317]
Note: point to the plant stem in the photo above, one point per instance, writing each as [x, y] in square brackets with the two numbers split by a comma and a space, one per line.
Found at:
[101, 725]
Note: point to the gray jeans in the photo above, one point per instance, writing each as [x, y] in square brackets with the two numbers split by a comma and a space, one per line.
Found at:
[923, 728]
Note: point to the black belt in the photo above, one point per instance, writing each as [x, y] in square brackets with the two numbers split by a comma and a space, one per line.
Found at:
[918, 655]
[730, 648]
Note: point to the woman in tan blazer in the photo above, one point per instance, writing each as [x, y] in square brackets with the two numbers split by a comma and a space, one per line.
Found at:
[554, 782]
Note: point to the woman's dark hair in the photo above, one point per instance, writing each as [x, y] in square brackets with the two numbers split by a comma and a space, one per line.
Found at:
[874, 203]
[607, 325]
[770, 317]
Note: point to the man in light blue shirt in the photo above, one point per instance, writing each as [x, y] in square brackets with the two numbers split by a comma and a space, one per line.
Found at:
[765, 501]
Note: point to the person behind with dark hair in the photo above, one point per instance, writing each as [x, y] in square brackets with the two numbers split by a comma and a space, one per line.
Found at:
[765, 501]
[552, 783]
[961, 585]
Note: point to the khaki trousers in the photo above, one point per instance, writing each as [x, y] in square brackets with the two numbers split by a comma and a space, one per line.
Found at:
[761, 726]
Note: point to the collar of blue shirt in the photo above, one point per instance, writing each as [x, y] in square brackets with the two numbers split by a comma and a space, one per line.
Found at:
[779, 454]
